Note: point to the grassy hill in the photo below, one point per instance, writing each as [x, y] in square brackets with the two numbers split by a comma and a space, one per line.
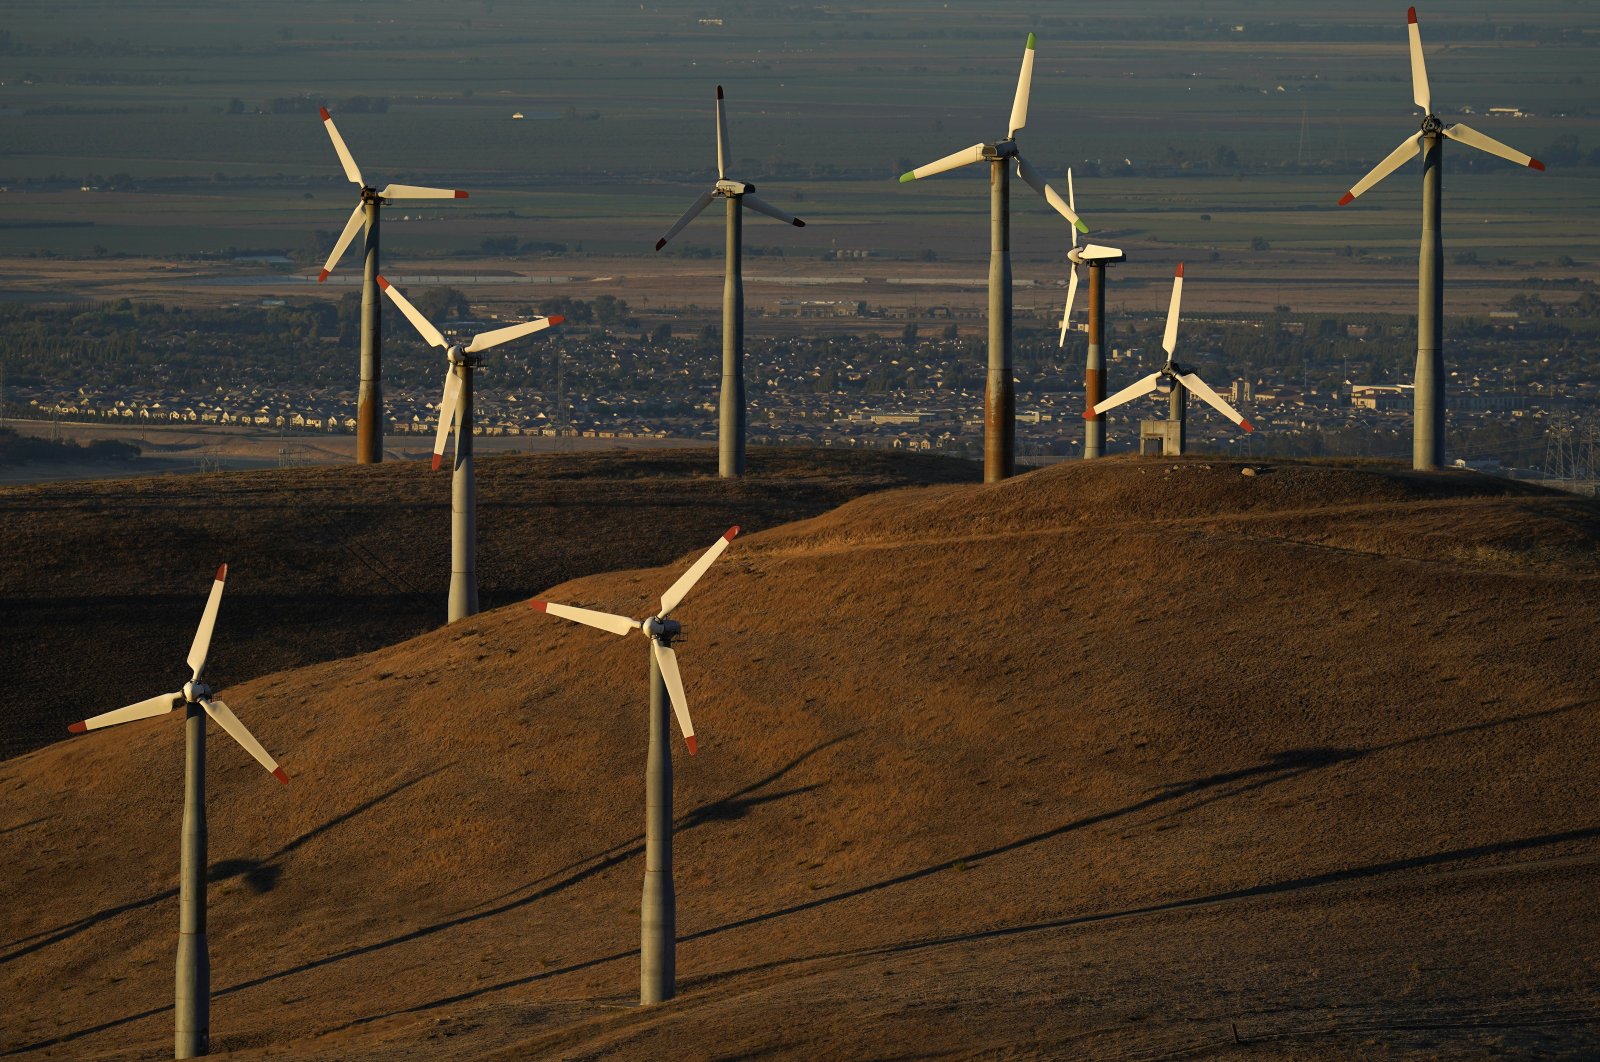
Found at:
[102, 582]
[1129, 759]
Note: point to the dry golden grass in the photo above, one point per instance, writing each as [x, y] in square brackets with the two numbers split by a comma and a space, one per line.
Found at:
[1112, 760]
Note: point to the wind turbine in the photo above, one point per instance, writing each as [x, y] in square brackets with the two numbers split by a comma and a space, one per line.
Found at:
[1172, 379]
[192, 1004]
[369, 400]
[659, 910]
[456, 409]
[731, 411]
[999, 402]
[1094, 387]
[1427, 440]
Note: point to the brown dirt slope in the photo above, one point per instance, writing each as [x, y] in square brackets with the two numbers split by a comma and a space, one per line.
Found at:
[1119, 760]
[327, 562]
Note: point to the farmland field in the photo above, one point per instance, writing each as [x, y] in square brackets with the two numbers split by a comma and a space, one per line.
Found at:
[1192, 132]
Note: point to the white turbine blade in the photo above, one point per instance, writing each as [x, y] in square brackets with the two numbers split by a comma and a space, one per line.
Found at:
[411, 191]
[447, 413]
[1019, 105]
[722, 138]
[345, 158]
[1169, 341]
[1066, 312]
[236, 730]
[1419, 71]
[142, 710]
[686, 581]
[771, 211]
[688, 216]
[1473, 138]
[667, 664]
[964, 157]
[357, 219]
[485, 340]
[1026, 171]
[208, 621]
[1214, 400]
[1127, 394]
[414, 315]
[1398, 157]
[1072, 204]
[603, 620]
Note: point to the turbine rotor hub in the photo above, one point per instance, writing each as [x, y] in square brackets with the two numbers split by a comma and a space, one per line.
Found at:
[1431, 125]
[195, 692]
[662, 630]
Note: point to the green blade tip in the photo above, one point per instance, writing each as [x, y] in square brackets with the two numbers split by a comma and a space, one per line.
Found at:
[1081, 226]
[1031, 42]
[909, 175]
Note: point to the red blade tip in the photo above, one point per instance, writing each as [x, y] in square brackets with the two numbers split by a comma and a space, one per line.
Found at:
[278, 773]
[222, 572]
[542, 606]
[382, 283]
[693, 745]
[1411, 15]
[322, 276]
[460, 194]
[734, 530]
[436, 459]
[1346, 199]
[556, 319]
[1246, 425]
[1179, 273]
[1089, 414]
[78, 728]
[325, 115]
[1535, 164]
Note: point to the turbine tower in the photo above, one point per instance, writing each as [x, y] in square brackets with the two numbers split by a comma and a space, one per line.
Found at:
[1427, 440]
[999, 399]
[731, 411]
[1172, 380]
[1096, 258]
[659, 910]
[369, 400]
[456, 408]
[192, 1003]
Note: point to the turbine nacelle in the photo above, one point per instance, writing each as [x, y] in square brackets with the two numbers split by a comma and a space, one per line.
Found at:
[730, 189]
[1093, 252]
[661, 630]
[1001, 149]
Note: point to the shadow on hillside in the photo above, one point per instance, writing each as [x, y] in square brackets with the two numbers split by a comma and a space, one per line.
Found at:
[734, 806]
[260, 875]
[1223, 785]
